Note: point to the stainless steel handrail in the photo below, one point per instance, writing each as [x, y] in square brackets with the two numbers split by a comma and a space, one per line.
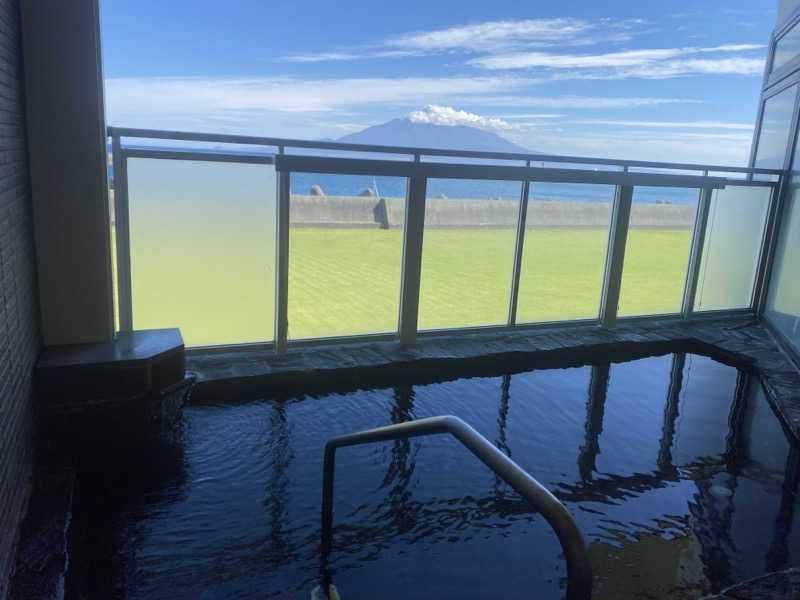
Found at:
[579, 572]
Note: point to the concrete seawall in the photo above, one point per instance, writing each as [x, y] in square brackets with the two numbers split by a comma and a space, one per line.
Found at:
[360, 211]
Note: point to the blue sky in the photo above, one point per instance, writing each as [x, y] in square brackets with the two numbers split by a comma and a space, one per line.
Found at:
[622, 79]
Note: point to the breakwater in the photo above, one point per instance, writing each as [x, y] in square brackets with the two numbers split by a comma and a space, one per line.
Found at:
[368, 211]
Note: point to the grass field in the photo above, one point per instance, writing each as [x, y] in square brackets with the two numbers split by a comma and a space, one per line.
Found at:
[219, 289]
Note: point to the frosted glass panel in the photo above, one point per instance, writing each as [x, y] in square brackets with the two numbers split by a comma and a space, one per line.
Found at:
[775, 125]
[657, 250]
[566, 234]
[203, 249]
[467, 252]
[730, 253]
[345, 254]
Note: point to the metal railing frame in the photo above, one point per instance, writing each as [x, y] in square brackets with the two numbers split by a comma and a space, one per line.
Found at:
[626, 176]
[579, 571]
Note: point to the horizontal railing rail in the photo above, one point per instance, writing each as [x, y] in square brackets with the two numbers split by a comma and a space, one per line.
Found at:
[579, 570]
[623, 181]
[353, 166]
[283, 143]
[263, 159]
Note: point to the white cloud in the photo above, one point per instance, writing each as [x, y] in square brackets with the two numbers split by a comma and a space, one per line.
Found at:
[645, 63]
[578, 102]
[530, 116]
[670, 124]
[248, 97]
[295, 107]
[487, 36]
[669, 146]
[522, 60]
[349, 55]
[491, 34]
[447, 115]
[732, 48]
[694, 66]
[327, 108]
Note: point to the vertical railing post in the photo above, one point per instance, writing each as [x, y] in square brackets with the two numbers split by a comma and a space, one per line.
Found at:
[122, 235]
[282, 263]
[615, 254]
[412, 258]
[696, 252]
[518, 249]
[769, 243]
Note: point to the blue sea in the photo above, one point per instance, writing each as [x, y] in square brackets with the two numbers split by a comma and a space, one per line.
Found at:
[352, 185]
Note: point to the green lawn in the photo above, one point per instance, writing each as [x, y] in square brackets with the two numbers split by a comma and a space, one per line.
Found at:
[347, 281]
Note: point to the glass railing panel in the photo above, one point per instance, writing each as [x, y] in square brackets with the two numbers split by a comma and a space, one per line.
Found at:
[657, 250]
[734, 233]
[566, 234]
[203, 248]
[345, 254]
[467, 252]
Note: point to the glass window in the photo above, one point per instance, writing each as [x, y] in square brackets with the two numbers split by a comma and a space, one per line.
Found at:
[783, 302]
[775, 125]
[657, 250]
[783, 307]
[203, 248]
[566, 234]
[467, 252]
[787, 48]
[345, 254]
[732, 245]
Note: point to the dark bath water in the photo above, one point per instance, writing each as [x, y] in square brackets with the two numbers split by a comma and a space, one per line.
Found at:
[673, 466]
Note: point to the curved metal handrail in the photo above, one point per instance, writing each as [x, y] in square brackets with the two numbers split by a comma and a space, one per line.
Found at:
[579, 572]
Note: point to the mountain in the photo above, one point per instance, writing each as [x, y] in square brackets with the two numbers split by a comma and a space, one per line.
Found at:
[405, 132]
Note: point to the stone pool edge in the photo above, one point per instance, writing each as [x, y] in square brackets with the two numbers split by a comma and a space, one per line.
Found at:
[740, 341]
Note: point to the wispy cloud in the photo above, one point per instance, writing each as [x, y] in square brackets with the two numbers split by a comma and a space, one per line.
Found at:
[487, 36]
[671, 146]
[645, 63]
[530, 116]
[318, 108]
[670, 124]
[350, 55]
[190, 94]
[579, 102]
[749, 12]
[493, 34]
[256, 101]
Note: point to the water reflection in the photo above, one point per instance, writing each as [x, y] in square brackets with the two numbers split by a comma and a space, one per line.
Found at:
[705, 530]
[778, 554]
[277, 488]
[595, 408]
[675, 468]
[671, 412]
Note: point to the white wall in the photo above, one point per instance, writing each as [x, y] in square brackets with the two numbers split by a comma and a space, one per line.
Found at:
[66, 145]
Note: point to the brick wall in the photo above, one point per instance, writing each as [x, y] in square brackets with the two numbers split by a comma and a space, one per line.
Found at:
[19, 311]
